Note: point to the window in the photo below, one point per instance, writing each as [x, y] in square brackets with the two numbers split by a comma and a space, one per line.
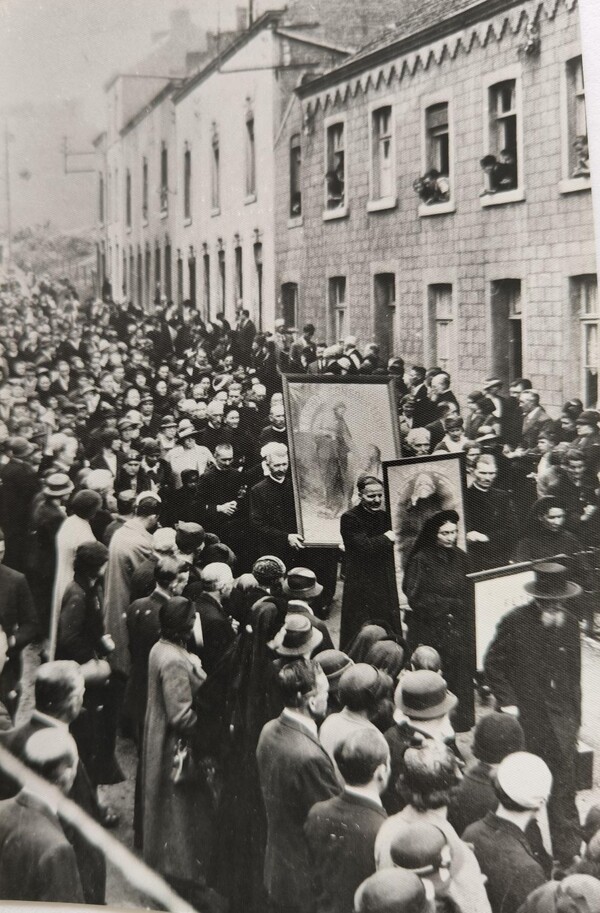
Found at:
[140, 279]
[295, 177]
[206, 267]
[584, 299]
[128, 198]
[108, 197]
[148, 277]
[577, 122]
[168, 273]
[124, 275]
[258, 265]
[164, 179]
[239, 275]
[192, 276]
[157, 285]
[250, 158]
[101, 199]
[145, 189]
[337, 308]
[384, 313]
[335, 175]
[222, 278]
[215, 173]
[289, 303]
[187, 183]
[116, 210]
[435, 183]
[132, 283]
[179, 278]
[507, 332]
[501, 163]
[440, 325]
[382, 153]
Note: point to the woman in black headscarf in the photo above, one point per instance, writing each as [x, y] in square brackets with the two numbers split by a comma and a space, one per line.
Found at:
[436, 588]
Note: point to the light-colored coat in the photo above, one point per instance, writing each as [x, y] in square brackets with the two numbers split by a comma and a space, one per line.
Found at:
[178, 821]
[72, 533]
[129, 547]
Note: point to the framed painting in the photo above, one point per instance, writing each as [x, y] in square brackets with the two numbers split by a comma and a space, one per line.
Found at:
[416, 488]
[338, 428]
[495, 593]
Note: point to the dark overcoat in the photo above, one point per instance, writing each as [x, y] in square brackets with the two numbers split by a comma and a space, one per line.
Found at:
[37, 862]
[19, 620]
[370, 586]
[341, 836]
[506, 859]
[90, 861]
[295, 772]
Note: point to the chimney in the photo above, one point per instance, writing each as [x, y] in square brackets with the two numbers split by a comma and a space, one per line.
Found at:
[241, 18]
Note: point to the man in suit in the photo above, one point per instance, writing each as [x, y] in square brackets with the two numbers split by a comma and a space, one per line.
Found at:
[506, 410]
[535, 419]
[341, 831]
[19, 484]
[423, 408]
[440, 391]
[19, 620]
[522, 785]
[533, 668]
[319, 365]
[244, 337]
[490, 518]
[37, 862]
[295, 773]
[59, 690]
[207, 595]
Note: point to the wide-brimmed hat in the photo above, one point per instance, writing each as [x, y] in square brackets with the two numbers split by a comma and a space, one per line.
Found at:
[424, 695]
[297, 637]
[334, 663]
[185, 429]
[491, 382]
[301, 583]
[58, 484]
[551, 583]
[168, 422]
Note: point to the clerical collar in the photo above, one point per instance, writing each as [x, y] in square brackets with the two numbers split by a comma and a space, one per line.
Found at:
[277, 481]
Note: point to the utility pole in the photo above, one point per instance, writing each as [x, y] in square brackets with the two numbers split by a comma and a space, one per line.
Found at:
[7, 182]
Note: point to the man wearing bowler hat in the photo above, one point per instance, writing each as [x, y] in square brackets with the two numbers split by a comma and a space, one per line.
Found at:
[533, 667]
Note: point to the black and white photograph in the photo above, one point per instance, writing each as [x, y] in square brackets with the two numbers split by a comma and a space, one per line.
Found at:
[300, 455]
[339, 430]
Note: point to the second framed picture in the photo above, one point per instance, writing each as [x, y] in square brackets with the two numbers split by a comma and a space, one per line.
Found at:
[338, 429]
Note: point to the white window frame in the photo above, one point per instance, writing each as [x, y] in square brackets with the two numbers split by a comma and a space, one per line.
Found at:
[518, 193]
[294, 221]
[145, 189]
[187, 194]
[251, 158]
[376, 202]
[341, 211]
[427, 101]
[333, 324]
[215, 172]
[501, 274]
[569, 184]
[581, 322]
[432, 278]
[392, 268]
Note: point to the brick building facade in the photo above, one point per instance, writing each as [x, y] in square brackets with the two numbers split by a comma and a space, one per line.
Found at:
[478, 269]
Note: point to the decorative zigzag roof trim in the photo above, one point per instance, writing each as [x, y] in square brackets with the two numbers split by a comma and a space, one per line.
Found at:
[482, 33]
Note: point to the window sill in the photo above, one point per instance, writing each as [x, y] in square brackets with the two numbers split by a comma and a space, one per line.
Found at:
[145, 222]
[187, 221]
[295, 222]
[382, 204]
[504, 196]
[215, 211]
[340, 213]
[164, 213]
[128, 229]
[574, 185]
[437, 209]
[250, 198]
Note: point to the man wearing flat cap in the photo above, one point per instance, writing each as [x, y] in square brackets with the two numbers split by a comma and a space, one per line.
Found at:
[533, 668]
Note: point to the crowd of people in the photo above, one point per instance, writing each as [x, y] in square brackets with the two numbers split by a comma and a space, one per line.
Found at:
[150, 552]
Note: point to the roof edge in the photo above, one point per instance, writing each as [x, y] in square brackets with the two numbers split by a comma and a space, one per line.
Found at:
[479, 10]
